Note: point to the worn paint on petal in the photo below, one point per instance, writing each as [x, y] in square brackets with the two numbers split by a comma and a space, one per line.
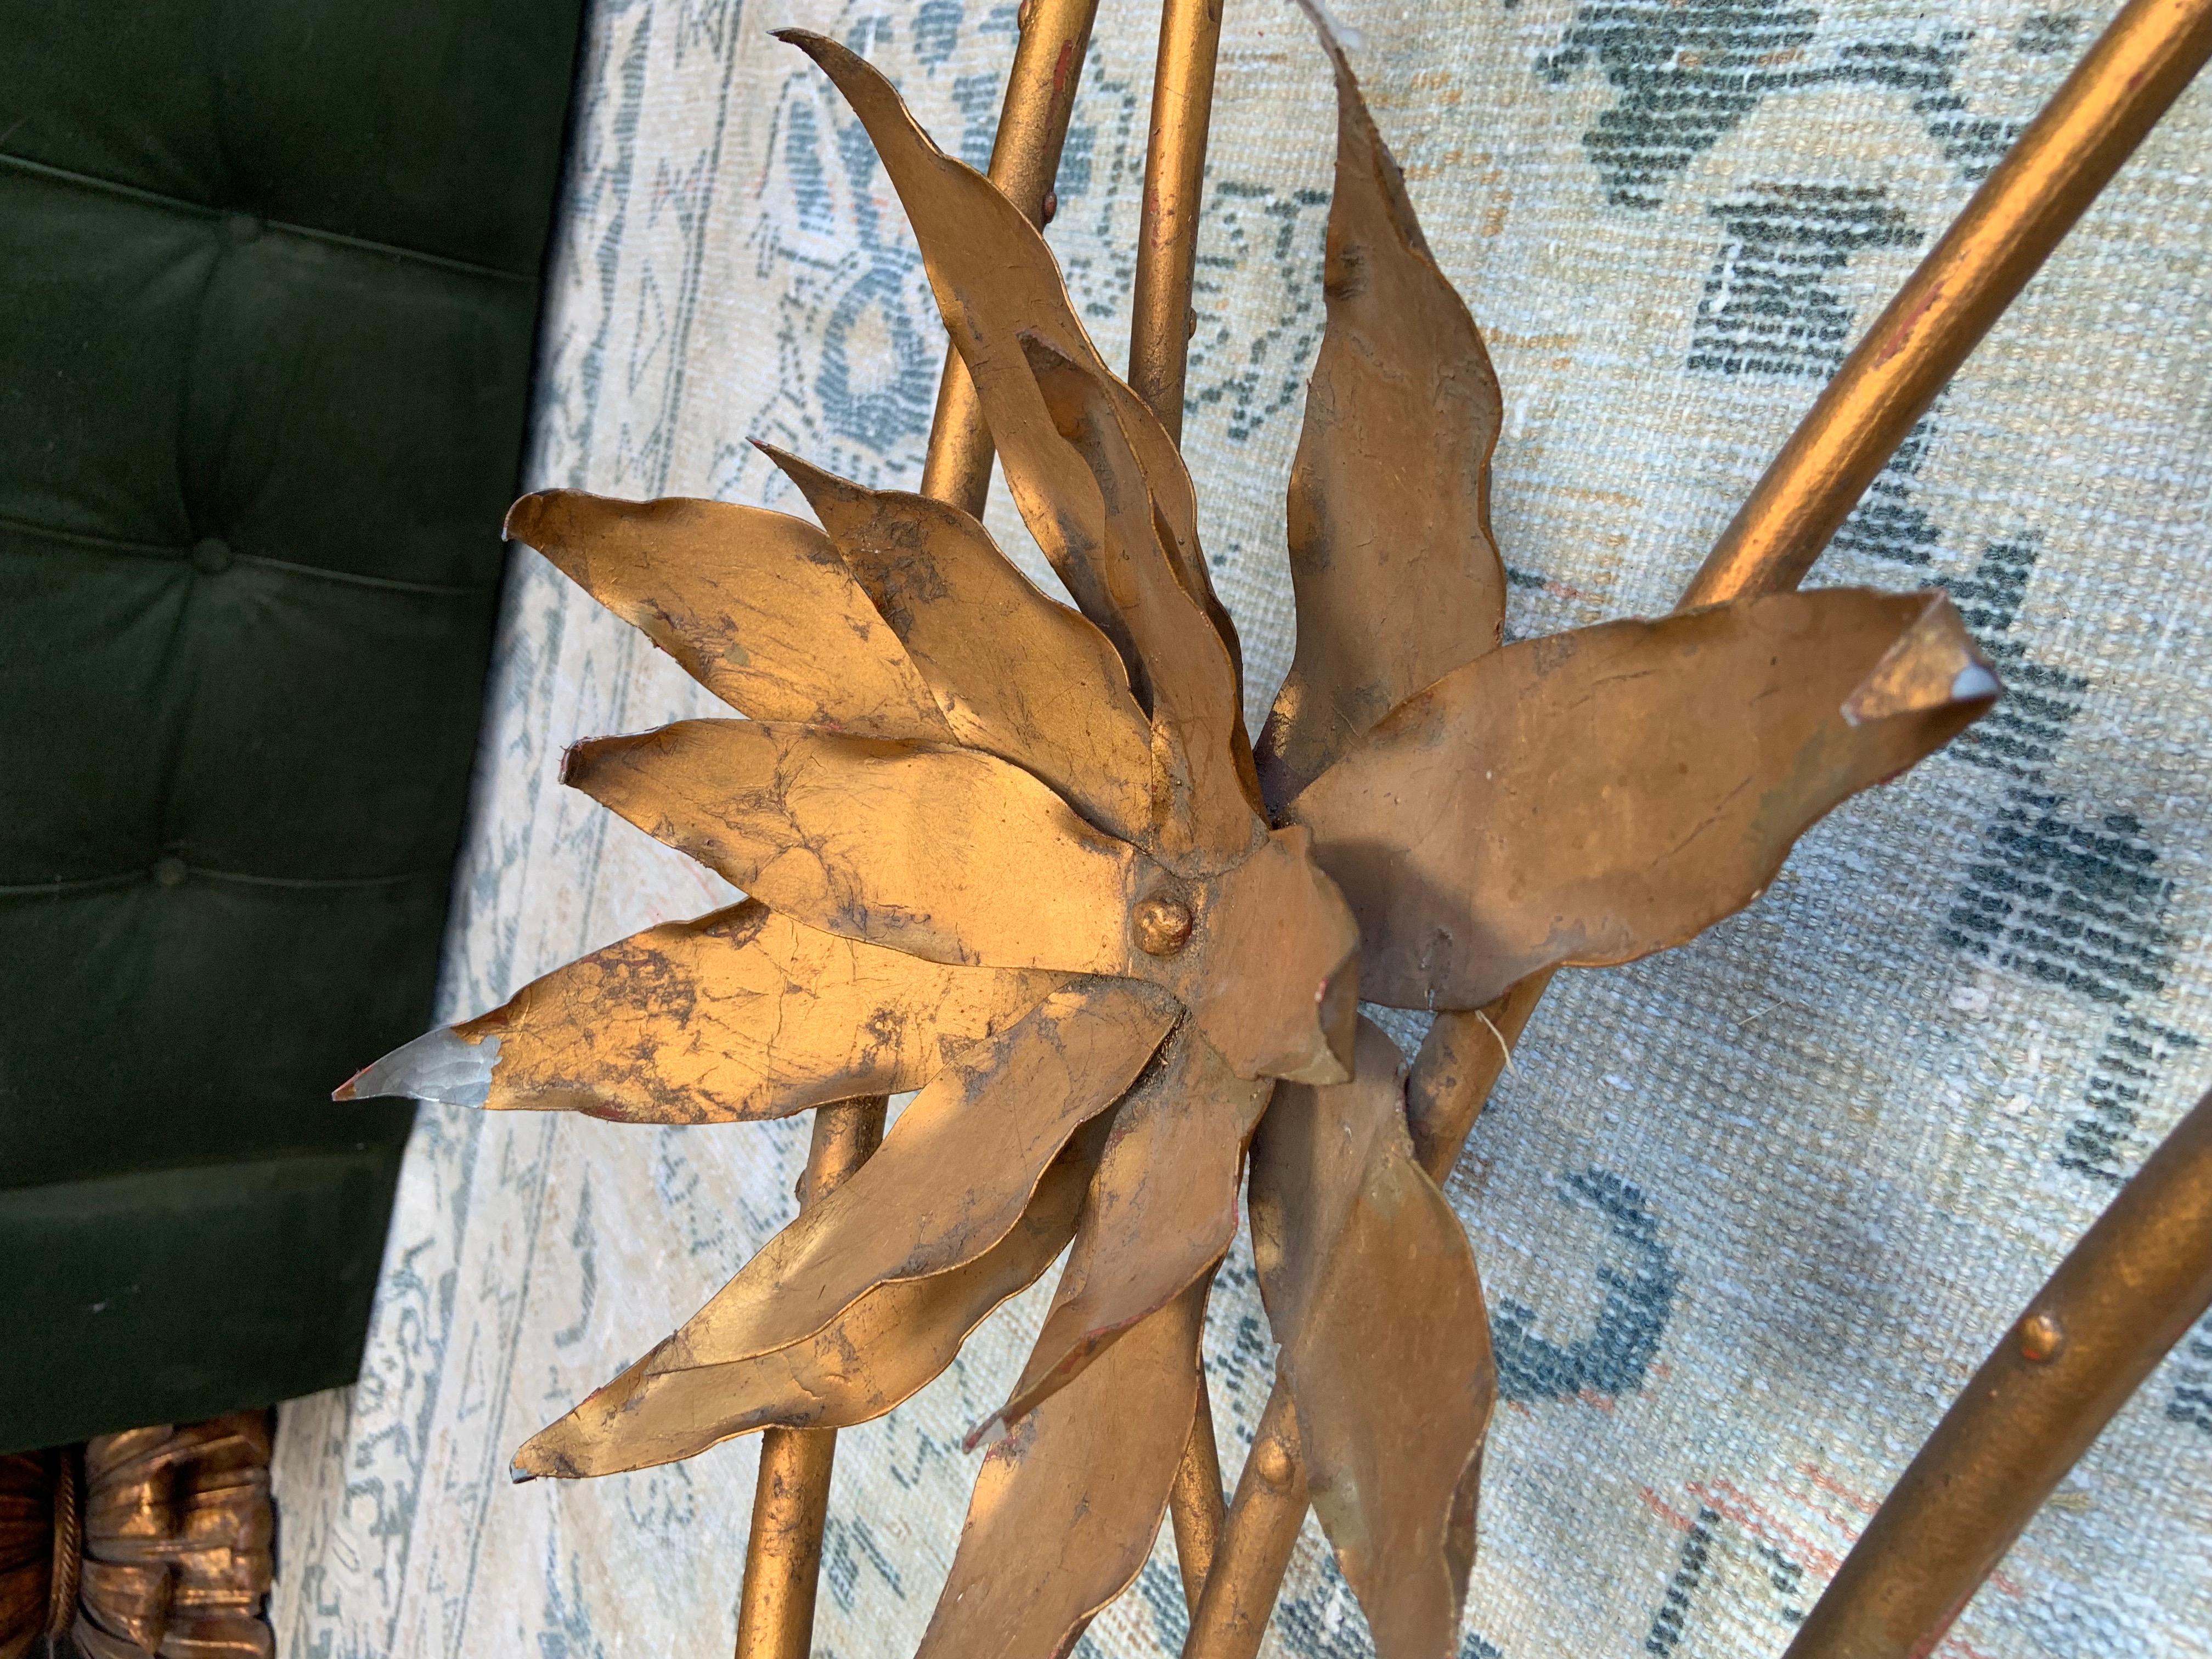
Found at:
[1589, 797]
[753, 604]
[1396, 573]
[743, 1014]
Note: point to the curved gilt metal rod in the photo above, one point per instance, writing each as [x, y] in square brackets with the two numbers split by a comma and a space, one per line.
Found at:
[1162, 1008]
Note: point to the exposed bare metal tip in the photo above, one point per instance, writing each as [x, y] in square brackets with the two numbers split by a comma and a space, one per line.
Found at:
[518, 1475]
[521, 517]
[1935, 664]
[993, 1428]
[440, 1066]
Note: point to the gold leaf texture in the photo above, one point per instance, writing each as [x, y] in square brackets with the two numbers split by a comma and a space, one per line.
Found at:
[1395, 571]
[1588, 798]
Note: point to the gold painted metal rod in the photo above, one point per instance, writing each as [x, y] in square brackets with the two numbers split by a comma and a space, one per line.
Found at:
[2053, 172]
[2069, 152]
[1160, 317]
[791, 1500]
[1025, 160]
[1160, 322]
[2140, 1277]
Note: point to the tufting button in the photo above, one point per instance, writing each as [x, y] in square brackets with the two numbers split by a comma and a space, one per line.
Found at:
[241, 228]
[170, 872]
[211, 556]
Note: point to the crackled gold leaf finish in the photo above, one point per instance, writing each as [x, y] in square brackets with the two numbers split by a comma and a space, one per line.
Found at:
[754, 606]
[997, 287]
[912, 845]
[1016, 674]
[1371, 1290]
[743, 1014]
[1397, 577]
[1067, 1506]
[1589, 797]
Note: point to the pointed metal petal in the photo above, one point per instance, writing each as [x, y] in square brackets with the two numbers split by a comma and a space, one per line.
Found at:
[1592, 797]
[1161, 1211]
[1067, 1506]
[942, 853]
[1372, 1292]
[755, 606]
[743, 1014]
[952, 1179]
[995, 278]
[879, 1351]
[1016, 674]
[1397, 576]
[1183, 672]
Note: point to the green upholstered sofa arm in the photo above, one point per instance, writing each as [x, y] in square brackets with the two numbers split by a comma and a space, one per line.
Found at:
[270, 276]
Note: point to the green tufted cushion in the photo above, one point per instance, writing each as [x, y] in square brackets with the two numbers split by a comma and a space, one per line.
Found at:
[269, 270]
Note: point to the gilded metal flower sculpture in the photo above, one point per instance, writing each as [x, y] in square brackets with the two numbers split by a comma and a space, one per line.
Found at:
[1021, 858]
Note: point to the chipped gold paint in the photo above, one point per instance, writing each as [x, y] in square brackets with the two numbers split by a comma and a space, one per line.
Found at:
[741, 1014]
[1589, 797]
[1396, 574]
[754, 606]
[1016, 674]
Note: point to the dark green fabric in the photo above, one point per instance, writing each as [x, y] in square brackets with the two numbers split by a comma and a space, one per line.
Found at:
[269, 277]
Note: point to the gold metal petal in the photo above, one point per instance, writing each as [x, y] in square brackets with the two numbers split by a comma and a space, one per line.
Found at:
[1017, 674]
[1067, 1506]
[875, 1353]
[1372, 1291]
[1592, 797]
[756, 606]
[915, 846]
[743, 1014]
[995, 278]
[1396, 574]
[1161, 1211]
[1206, 821]
[954, 1177]
[942, 853]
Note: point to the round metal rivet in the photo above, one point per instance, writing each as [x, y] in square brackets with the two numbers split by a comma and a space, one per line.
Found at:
[1162, 927]
[2041, 1337]
[1271, 1461]
[1051, 205]
[170, 872]
[211, 556]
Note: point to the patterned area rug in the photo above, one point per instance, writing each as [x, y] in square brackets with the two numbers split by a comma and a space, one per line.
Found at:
[1748, 1213]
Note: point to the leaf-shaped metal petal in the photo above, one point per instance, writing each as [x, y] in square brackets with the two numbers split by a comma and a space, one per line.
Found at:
[952, 1179]
[944, 853]
[995, 278]
[1397, 577]
[1590, 797]
[1372, 1292]
[756, 606]
[1187, 679]
[741, 1014]
[1161, 1211]
[915, 846]
[1067, 1506]
[875, 1354]
[1017, 674]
